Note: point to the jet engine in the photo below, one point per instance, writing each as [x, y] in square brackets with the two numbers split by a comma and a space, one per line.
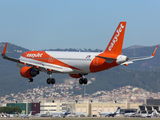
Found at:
[75, 75]
[28, 72]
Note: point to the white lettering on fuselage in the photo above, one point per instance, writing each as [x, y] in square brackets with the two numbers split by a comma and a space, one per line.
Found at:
[34, 55]
[115, 38]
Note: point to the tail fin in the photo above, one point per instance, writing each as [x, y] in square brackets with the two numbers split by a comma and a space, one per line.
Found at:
[30, 113]
[155, 111]
[137, 111]
[47, 113]
[114, 47]
[117, 109]
[116, 43]
[68, 110]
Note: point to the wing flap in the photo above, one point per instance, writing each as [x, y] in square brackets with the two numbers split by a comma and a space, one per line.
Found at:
[45, 66]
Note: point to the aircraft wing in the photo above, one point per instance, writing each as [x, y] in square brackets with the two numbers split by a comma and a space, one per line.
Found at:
[131, 60]
[45, 66]
[6, 57]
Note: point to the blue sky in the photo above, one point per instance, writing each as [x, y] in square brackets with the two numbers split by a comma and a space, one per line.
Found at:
[51, 24]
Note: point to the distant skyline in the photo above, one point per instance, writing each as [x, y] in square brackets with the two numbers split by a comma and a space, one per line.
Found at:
[40, 24]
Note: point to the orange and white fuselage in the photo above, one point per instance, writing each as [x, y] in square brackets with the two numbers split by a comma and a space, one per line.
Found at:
[67, 62]
[76, 64]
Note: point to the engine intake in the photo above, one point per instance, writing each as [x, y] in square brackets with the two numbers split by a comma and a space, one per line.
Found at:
[28, 72]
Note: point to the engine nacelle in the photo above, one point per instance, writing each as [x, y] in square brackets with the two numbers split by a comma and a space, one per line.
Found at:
[75, 75]
[28, 72]
[121, 59]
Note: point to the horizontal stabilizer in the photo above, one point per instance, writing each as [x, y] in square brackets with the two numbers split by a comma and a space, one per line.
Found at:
[108, 59]
[131, 60]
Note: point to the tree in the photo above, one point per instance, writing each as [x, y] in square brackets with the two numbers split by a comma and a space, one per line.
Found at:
[10, 110]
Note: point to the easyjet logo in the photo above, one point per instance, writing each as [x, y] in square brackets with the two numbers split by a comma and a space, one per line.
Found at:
[115, 39]
[34, 55]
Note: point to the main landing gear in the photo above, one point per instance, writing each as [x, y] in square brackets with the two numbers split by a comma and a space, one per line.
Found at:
[50, 80]
[83, 80]
[30, 80]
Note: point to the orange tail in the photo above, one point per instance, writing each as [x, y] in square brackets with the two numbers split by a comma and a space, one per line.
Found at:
[114, 47]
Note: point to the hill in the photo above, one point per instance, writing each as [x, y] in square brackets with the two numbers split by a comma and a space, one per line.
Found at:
[142, 74]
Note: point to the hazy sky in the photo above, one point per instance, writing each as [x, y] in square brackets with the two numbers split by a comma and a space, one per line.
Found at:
[46, 24]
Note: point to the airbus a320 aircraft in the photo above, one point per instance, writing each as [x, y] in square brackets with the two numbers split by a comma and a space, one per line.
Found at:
[76, 64]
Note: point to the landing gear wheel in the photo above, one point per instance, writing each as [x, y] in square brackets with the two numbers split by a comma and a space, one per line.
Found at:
[53, 81]
[50, 81]
[80, 81]
[85, 81]
[30, 80]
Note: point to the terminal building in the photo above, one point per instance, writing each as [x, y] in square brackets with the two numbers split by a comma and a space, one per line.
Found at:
[90, 107]
[150, 105]
[52, 106]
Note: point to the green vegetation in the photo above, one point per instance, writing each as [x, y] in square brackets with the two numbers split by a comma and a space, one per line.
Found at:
[10, 110]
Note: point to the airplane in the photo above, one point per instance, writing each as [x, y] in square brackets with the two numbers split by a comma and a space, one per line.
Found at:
[27, 115]
[131, 114]
[61, 114]
[146, 115]
[38, 114]
[76, 64]
[47, 114]
[156, 113]
[108, 114]
[78, 113]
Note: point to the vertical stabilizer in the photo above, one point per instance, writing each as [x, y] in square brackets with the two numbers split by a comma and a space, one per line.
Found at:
[114, 47]
[117, 109]
[68, 110]
[116, 43]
